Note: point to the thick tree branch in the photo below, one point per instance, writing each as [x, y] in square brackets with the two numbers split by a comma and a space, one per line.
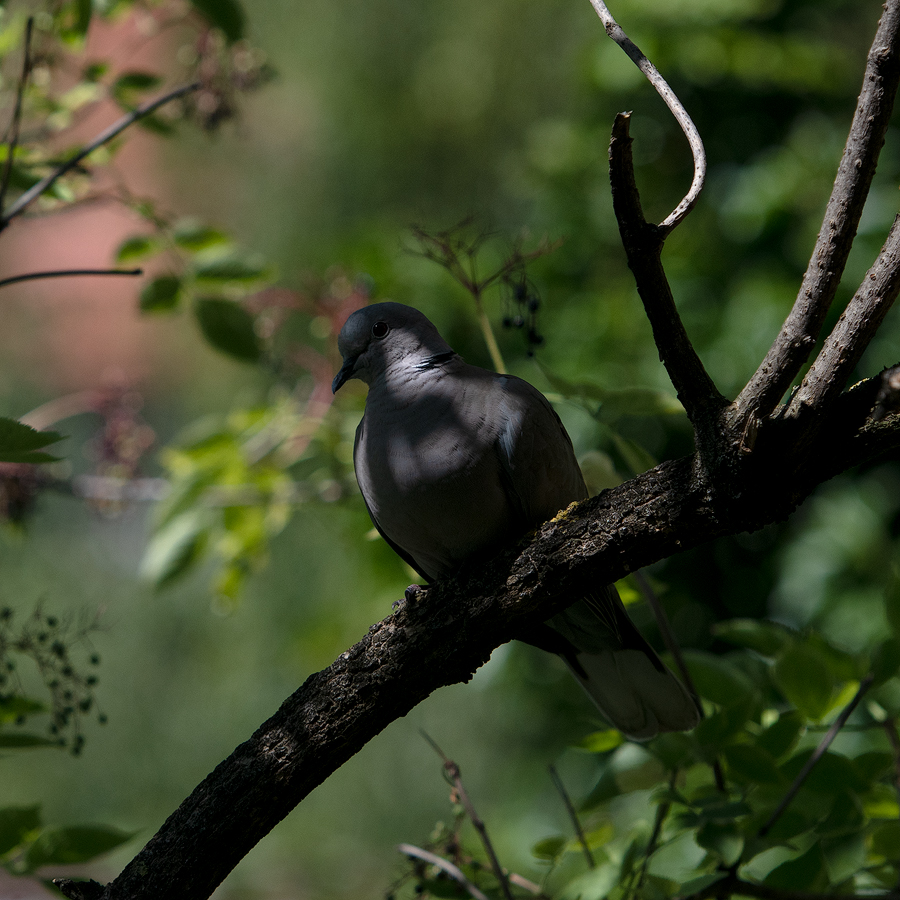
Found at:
[445, 633]
[851, 187]
[444, 637]
[643, 244]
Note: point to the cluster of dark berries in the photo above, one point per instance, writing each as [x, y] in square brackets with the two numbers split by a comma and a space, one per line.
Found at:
[522, 304]
[47, 641]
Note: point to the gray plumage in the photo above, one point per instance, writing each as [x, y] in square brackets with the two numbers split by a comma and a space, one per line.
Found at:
[455, 462]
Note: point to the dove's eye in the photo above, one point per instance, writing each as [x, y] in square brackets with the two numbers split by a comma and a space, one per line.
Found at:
[380, 329]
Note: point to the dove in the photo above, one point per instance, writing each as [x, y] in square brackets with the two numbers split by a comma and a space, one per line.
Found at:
[456, 462]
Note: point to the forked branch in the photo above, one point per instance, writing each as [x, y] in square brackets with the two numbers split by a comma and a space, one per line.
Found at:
[643, 243]
[851, 187]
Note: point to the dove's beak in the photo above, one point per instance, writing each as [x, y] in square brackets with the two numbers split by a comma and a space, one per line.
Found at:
[345, 374]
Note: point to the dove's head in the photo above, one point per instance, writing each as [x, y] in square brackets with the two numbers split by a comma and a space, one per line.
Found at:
[384, 335]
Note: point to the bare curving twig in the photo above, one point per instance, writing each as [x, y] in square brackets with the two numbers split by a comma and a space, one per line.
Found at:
[452, 769]
[614, 30]
[855, 329]
[445, 866]
[851, 187]
[104, 137]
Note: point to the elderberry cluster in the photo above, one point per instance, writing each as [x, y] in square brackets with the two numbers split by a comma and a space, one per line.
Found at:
[47, 641]
[522, 303]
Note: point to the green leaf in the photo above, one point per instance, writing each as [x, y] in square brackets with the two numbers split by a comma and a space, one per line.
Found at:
[224, 14]
[15, 706]
[805, 680]
[229, 268]
[161, 294]
[229, 328]
[18, 825]
[874, 765]
[616, 403]
[765, 638]
[717, 679]
[806, 872]
[781, 737]
[886, 660]
[137, 247]
[190, 235]
[549, 848]
[752, 764]
[94, 71]
[635, 457]
[175, 547]
[68, 846]
[718, 729]
[724, 840]
[844, 856]
[695, 885]
[126, 87]
[629, 768]
[82, 16]
[886, 840]
[892, 599]
[718, 808]
[592, 885]
[20, 443]
[678, 859]
[600, 741]
[844, 817]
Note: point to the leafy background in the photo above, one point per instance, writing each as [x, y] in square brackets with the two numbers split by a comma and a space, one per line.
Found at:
[379, 116]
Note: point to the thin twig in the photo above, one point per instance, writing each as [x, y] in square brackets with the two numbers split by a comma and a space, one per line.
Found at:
[452, 770]
[662, 813]
[668, 636]
[573, 815]
[104, 137]
[818, 753]
[17, 112]
[800, 331]
[614, 30]
[525, 884]
[66, 273]
[445, 866]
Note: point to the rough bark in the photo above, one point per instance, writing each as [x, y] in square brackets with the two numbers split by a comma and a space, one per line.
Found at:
[754, 465]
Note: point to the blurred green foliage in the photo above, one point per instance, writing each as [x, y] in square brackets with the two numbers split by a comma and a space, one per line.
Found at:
[392, 113]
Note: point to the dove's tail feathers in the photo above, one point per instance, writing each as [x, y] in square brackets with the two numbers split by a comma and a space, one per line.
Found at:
[620, 670]
[635, 692]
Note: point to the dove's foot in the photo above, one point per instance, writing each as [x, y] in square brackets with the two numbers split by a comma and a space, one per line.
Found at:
[413, 593]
